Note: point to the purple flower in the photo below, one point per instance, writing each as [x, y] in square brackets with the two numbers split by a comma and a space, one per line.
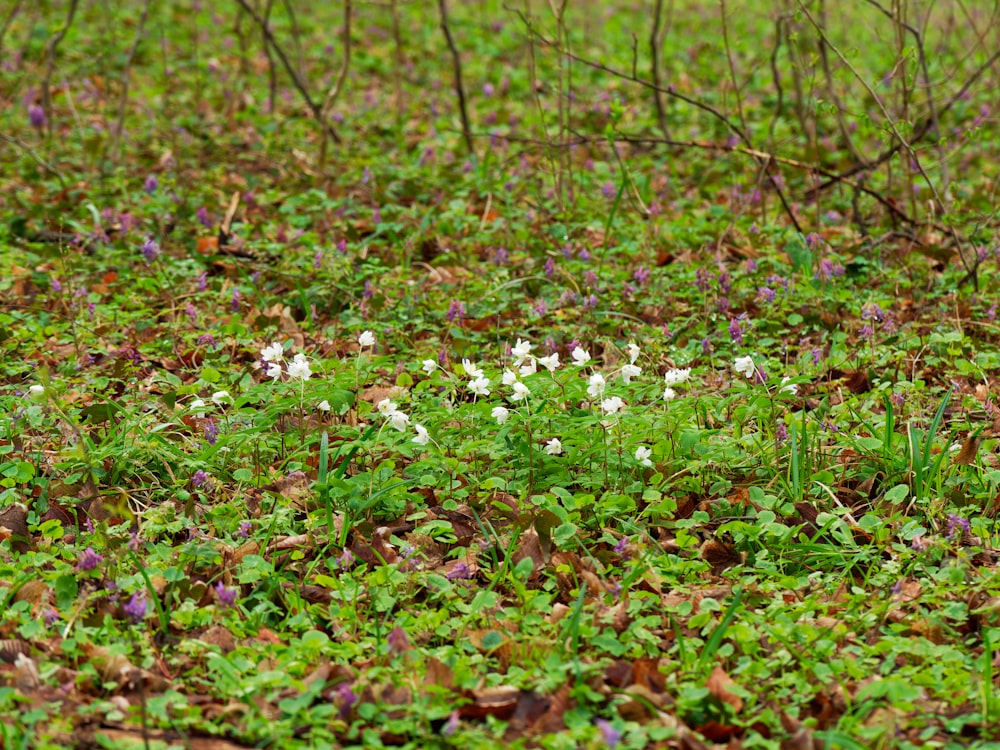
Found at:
[203, 218]
[550, 267]
[398, 642]
[828, 270]
[234, 302]
[89, 560]
[451, 726]
[725, 282]
[919, 544]
[406, 551]
[134, 541]
[957, 526]
[590, 279]
[813, 240]
[611, 735]
[766, 294]
[318, 259]
[57, 287]
[211, 430]
[244, 530]
[50, 616]
[151, 184]
[706, 346]
[735, 332]
[192, 313]
[135, 608]
[202, 281]
[641, 275]
[502, 257]
[608, 190]
[199, 478]
[456, 312]
[346, 559]
[702, 279]
[751, 265]
[207, 339]
[460, 571]
[150, 250]
[590, 302]
[781, 432]
[817, 355]
[36, 116]
[226, 597]
[622, 545]
[347, 698]
[541, 308]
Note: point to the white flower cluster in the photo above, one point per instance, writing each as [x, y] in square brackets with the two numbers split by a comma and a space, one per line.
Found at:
[274, 355]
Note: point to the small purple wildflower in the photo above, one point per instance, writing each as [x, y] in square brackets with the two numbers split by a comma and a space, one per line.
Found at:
[813, 240]
[50, 616]
[751, 265]
[608, 190]
[641, 275]
[347, 698]
[151, 184]
[610, 735]
[991, 314]
[828, 270]
[57, 286]
[550, 267]
[368, 292]
[958, 526]
[377, 215]
[366, 175]
[234, 301]
[192, 313]
[406, 551]
[199, 478]
[342, 246]
[540, 309]
[621, 546]
[206, 339]
[135, 608]
[226, 597]
[398, 640]
[502, 257]
[456, 312]
[703, 279]
[318, 259]
[346, 559]
[201, 283]
[766, 294]
[817, 355]
[722, 305]
[590, 279]
[36, 116]
[451, 726]
[150, 250]
[134, 542]
[735, 332]
[584, 254]
[203, 218]
[919, 544]
[725, 282]
[898, 399]
[781, 432]
[590, 302]
[459, 572]
[88, 525]
[244, 531]
[706, 345]
[89, 560]
[211, 431]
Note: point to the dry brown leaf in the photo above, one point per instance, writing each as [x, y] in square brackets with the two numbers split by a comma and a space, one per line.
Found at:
[719, 684]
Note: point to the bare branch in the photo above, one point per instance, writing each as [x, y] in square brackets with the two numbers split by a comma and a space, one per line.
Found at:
[456, 64]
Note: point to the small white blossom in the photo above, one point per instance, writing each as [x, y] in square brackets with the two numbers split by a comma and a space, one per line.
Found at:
[428, 366]
[221, 397]
[669, 393]
[323, 405]
[633, 353]
[500, 414]
[530, 368]
[274, 371]
[745, 366]
[470, 369]
[423, 437]
[387, 406]
[554, 447]
[550, 362]
[272, 353]
[520, 393]
[480, 386]
[596, 387]
[36, 390]
[676, 376]
[367, 338]
[629, 372]
[580, 356]
[521, 351]
[790, 388]
[612, 405]
[399, 420]
[198, 404]
[642, 454]
[509, 377]
[299, 368]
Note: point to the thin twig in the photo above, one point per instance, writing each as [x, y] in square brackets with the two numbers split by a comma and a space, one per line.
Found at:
[655, 40]
[50, 64]
[338, 85]
[37, 159]
[126, 73]
[456, 64]
[15, 9]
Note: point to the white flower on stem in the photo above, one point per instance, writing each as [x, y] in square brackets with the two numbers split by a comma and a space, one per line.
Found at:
[580, 356]
[221, 397]
[633, 353]
[745, 366]
[299, 368]
[423, 437]
[509, 377]
[470, 369]
[399, 420]
[550, 362]
[428, 366]
[366, 339]
[612, 405]
[629, 372]
[198, 404]
[387, 406]
[669, 393]
[642, 454]
[480, 386]
[274, 371]
[272, 353]
[323, 405]
[520, 393]
[554, 447]
[36, 391]
[597, 383]
[789, 388]
[521, 351]
[500, 414]
[530, 368]
[676, 376]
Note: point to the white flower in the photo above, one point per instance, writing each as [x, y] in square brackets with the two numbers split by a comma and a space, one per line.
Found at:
[629, 372]
[471, 370]
[387, 406]
[550, 363]
[198, 404]
[399, 420]
[529, 369]
[36, 391]
[633, 353]
[642, 454]
[367, 338]
[553, 447]
[221, 397]
[480, 386]
[500, 414]
[580, 356]
[521, 351]
[423, 437]
[791, 388]
[323, 405]
[274, 371]
[676, 377]
[299, 368]
[509, 378]
[520, 392]
[669, 393]
[612, 405]
[428, 366]
[272, 353]
[745, 366]
[596, 387]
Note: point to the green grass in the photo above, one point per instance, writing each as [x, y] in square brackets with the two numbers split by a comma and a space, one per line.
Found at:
[740, 490]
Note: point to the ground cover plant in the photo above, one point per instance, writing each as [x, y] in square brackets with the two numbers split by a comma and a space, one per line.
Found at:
[533, 375]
